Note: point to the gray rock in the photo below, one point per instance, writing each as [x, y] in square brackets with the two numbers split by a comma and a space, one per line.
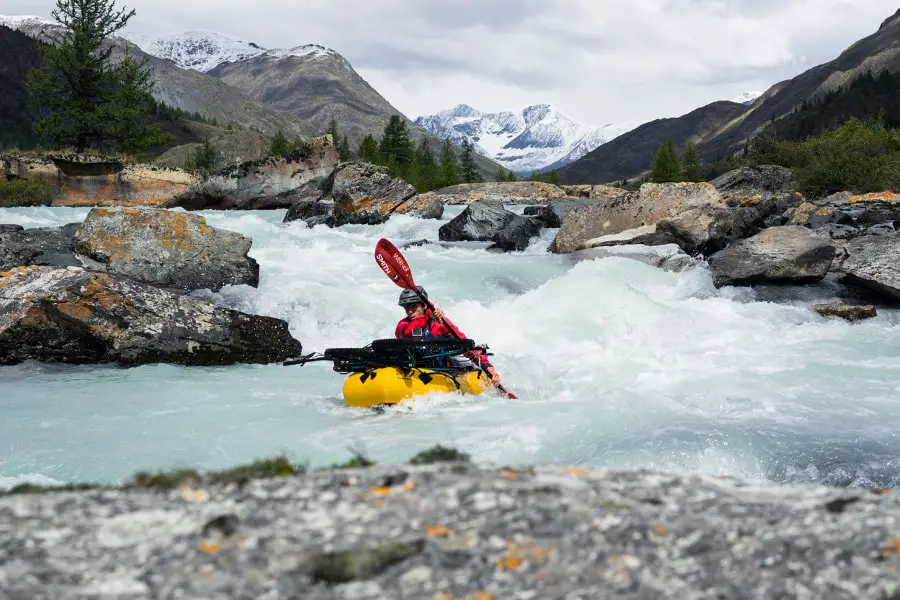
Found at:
[648, 235]
[881, 229]
[306, 209]
[815, 216]
[52, 246]
[865, 209]
[77, 316]
[706, 229]
[765, 180]
[836, 231]
[788, 254]
[454, 531]
[166, 248]
[267, 183]
[557, 210]
[516, 235]
[367, 194]
[668, 257]
[9, 228]
[479, 222]
[846, 311]
[873, 261]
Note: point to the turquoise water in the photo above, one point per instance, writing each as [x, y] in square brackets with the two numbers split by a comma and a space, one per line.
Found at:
[616, 365]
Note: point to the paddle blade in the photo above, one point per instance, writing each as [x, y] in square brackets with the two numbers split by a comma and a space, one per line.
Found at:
[393, 264]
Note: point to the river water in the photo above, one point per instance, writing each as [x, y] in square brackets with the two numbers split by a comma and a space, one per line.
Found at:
[616, 364]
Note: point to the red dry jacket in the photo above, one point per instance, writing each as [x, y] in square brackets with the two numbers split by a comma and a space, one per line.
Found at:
[425, 326]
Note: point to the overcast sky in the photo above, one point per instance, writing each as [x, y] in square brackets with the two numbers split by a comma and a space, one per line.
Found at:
[600, 61]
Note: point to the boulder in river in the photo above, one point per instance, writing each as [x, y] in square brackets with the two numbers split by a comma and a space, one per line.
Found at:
[76, 316]
[873, 261]
[487, 221]
[52, 246]
[785, 254]
[166, 248]
[367, 194]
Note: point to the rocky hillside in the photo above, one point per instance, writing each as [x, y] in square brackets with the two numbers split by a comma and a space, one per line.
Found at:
[20, 54]
[189, 90]
[722, 128]
[632, 152]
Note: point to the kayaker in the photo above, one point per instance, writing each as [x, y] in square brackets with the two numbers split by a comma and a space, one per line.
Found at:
[420, 321]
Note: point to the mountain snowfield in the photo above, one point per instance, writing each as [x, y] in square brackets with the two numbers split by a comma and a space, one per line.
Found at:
[748, 98]
[539, 137]
[205, 50]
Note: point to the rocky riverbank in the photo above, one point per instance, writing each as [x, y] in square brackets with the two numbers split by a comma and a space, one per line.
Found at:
[451, 530]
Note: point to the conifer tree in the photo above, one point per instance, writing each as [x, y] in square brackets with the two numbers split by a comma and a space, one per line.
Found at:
[426, 167]
[81, 96]
[449, 166]
[665, 164]
[692, 166]
[395, 141]
[368, 150]
[468, 170]
[344, 153]
[278, 146]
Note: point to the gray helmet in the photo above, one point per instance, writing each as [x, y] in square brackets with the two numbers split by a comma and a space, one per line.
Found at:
[410, 297]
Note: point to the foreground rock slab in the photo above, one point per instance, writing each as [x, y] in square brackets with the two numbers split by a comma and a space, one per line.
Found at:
[455, 531]
[76, 316]
[166, 248]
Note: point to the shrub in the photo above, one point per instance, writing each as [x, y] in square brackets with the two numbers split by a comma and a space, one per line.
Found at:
[26, 192]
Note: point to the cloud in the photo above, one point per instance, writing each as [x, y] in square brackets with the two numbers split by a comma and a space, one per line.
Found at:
[611, 61]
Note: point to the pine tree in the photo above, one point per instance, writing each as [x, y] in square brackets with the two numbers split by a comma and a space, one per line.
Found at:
[344, 153]
[692, 167]
[81, 97]
[395, 141]
[333, 130]
[468, 170]
[278, 146]
[449, 167]
[426, 167]
[665, 164]
[368, 150]
[502, 174]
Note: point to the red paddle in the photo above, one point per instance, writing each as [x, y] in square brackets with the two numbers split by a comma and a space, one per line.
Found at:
[397, 269]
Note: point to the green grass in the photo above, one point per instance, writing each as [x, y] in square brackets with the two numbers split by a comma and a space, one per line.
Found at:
[25, 192]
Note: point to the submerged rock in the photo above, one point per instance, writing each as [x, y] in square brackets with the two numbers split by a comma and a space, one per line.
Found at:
[787, 254]
[846, 311]
[51, 246]
[77, 316]
[166, 248]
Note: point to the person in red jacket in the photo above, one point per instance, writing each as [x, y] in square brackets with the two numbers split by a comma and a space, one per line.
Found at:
[420, 321]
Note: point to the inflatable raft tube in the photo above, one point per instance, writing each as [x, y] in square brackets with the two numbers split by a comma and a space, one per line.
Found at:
[391, 385]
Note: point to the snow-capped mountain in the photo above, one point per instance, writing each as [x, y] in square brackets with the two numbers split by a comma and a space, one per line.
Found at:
[537, 138]
[205, 50]
[747, 98]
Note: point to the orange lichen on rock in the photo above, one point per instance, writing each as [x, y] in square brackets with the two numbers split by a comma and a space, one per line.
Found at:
[889, 197]
[438, 531]
[526, 550]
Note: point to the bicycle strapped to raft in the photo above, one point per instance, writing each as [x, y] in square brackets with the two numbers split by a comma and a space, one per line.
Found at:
[434, 354]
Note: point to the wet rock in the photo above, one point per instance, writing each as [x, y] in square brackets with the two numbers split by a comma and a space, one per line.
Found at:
[9, 228]
[653, 203]
[706, 229]
[367, 194]
[873, 261]
[846, 311]
[166, 248]
[76, 316]
[558, 209]
[668, 257]
[516, 235]
[489, 222]
[51, 246]
[306, 209]
[642, 236]
[266, 183]
[528, 211]
[788, 254]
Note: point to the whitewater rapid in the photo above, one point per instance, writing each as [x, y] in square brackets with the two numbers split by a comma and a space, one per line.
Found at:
[616, 365]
